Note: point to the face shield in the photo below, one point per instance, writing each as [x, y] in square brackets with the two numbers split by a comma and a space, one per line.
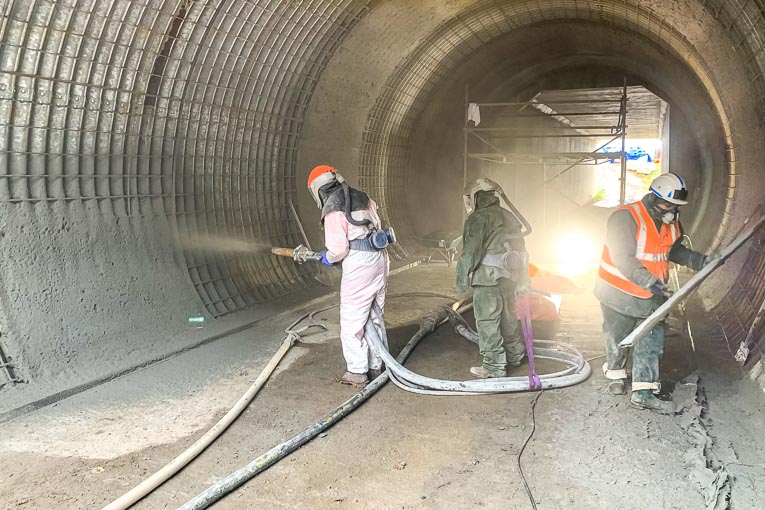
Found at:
[468, 197]
[320, 181]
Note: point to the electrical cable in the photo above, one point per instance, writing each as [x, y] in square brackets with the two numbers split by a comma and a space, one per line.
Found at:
[523, 447]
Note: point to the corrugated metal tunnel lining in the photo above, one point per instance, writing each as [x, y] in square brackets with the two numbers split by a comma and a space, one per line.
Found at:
[126, 123]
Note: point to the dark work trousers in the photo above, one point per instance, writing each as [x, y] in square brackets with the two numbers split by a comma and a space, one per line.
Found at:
[647, 350]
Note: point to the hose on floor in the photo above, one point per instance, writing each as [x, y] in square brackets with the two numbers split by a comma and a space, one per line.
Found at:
[231, 482]
[292, 335]
[578, 368]
[171, 468]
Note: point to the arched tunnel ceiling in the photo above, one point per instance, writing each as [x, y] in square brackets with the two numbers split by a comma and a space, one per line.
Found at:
[125, 124]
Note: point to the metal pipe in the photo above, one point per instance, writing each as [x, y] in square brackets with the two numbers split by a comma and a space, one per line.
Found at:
[691, 285]
[623, 126]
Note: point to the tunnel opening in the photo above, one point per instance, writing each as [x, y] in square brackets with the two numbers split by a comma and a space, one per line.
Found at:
[526, 62]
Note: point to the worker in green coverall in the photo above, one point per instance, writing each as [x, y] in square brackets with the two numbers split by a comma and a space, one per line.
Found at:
[494, 262]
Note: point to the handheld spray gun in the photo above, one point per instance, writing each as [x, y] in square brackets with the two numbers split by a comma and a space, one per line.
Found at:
[300, 254]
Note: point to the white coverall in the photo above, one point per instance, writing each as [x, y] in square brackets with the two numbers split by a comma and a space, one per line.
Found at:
[365, 278]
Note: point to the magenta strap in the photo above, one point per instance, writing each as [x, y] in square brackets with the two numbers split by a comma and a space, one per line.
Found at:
[524, 313]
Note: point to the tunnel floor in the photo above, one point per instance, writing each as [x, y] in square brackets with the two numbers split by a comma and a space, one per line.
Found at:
[398, 450]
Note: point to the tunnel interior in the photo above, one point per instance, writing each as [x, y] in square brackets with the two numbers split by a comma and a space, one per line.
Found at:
[521, 65]
[129, 126]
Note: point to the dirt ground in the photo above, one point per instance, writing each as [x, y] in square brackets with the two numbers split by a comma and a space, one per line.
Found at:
[398, 450]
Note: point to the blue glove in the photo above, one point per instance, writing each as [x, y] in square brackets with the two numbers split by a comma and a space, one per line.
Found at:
[325, 261]
[660, 289]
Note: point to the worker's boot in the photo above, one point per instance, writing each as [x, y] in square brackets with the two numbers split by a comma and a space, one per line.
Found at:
[645, 399]
[616, 387]
[351, 379]
[482, 373]
[617, 380]
[374, 373]
[518, 362]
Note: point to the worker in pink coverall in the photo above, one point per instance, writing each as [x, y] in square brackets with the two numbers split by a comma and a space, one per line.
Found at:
[349, 217]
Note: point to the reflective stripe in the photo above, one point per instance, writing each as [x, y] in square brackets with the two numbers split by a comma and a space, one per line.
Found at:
[612, 269]
[642, 229]
[654, 257]
[653, 386]
[614, 375]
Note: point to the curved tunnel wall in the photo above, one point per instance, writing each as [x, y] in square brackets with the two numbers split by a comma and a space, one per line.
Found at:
[124, 124]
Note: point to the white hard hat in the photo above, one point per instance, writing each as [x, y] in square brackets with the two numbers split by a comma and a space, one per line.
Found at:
[481, 184]
[671, 188]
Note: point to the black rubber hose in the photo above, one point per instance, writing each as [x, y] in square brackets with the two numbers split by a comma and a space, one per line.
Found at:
[236, 479]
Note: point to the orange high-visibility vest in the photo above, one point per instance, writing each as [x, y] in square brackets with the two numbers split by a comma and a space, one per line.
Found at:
[652, 251]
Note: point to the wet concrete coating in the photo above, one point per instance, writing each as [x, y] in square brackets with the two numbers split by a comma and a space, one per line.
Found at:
[590, 450]
[153, 151]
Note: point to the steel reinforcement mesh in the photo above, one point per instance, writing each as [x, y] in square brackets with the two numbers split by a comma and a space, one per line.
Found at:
[188, 109]
[741, 313]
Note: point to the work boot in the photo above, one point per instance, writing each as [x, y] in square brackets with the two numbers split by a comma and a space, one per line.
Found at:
[616, 387]
[351, 379]
[645, 399]
[518, 362]
[482, 373]
[374, 373]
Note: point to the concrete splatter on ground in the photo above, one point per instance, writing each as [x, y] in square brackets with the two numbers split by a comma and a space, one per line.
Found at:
[397, 451]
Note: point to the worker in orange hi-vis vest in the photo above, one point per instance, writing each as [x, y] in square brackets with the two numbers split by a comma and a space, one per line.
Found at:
[642, 238]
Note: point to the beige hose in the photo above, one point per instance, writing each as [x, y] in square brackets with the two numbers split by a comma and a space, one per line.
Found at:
[175, 465]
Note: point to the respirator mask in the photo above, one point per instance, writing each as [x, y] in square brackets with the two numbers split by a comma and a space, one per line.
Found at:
[666, 211]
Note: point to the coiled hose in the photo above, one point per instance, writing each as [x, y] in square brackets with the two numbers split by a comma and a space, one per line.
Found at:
[578, 368]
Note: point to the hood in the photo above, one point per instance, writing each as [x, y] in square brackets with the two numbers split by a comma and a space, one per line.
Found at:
[485, 199]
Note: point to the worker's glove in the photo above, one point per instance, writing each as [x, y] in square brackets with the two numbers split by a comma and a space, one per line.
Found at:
[660, 289]
[325, 261]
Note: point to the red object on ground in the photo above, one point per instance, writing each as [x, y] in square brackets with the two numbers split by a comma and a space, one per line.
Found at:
[546, 308]
[551, 283]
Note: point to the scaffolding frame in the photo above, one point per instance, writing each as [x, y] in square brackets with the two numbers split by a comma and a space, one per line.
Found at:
[615, 131]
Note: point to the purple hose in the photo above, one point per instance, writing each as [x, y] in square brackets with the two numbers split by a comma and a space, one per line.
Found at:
[524, 313]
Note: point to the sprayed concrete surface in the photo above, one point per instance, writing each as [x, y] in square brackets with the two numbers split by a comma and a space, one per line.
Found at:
[398, 450]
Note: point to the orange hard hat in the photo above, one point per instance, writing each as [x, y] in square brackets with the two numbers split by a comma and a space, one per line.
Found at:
[319, 170]
[321, 176]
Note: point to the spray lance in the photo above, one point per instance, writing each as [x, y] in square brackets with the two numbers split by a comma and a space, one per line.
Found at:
[300, 254]
[377, 240]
